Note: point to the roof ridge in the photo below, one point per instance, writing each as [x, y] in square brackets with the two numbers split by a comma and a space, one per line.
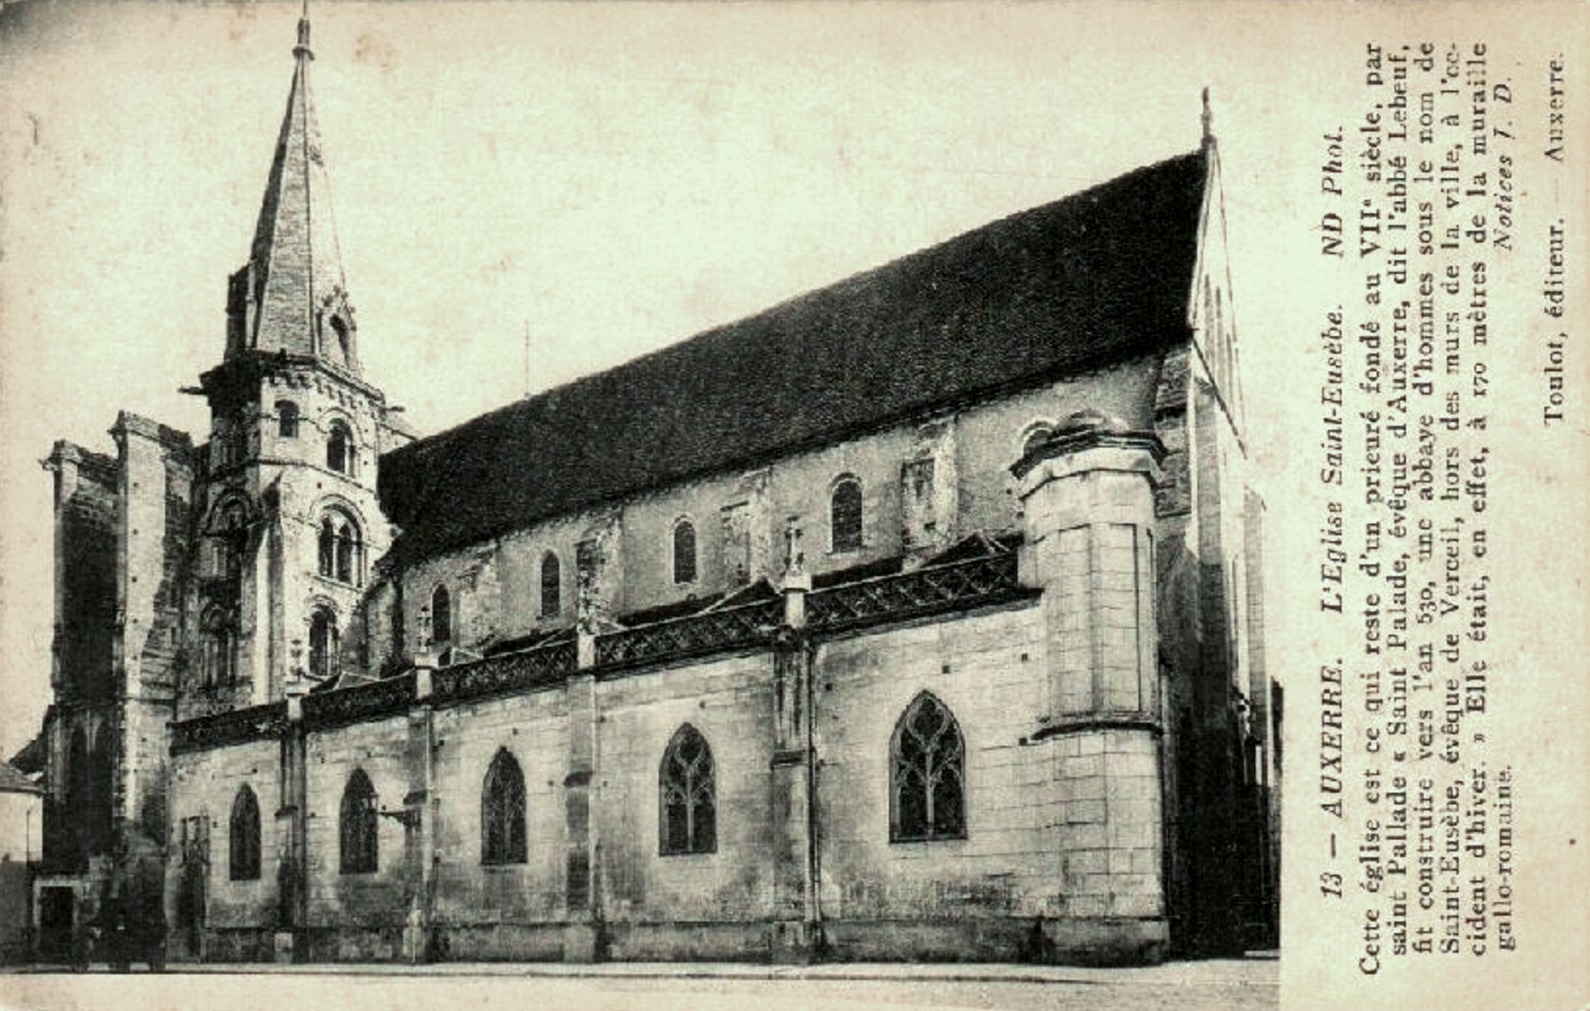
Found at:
[1097, 276]
[799, 297]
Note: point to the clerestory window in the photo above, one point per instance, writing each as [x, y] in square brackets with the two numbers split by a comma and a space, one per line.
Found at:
[845, 516]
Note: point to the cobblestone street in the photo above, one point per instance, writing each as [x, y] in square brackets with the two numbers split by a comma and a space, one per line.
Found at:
[1236, 984]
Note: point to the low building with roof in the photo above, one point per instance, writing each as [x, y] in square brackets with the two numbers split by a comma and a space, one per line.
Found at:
[21, 846]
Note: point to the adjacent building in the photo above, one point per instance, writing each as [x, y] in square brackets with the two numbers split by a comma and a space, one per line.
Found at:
[916, 617]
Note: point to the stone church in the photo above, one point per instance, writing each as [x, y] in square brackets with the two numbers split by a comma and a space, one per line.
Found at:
[916, 617]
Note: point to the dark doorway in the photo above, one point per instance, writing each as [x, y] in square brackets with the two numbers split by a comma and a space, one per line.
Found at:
[55, 924]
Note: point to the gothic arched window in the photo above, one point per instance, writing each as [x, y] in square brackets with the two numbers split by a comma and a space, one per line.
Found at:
[286, 419]
[217, 649]
[927, 774]
[441, 615]
[357, 826]
[340, 448]
[844, 510]
[243, 851]
[322, 642]
[684, 552]
[551, 586]
[502, 812]
[688, 807]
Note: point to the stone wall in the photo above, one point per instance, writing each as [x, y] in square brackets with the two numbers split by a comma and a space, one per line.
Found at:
[511, 910]
[236, 917]
[86, 517]
[686, 906]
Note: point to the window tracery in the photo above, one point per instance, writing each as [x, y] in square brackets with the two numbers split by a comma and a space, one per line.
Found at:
[927, 774]
[502, 812]
[688, 795]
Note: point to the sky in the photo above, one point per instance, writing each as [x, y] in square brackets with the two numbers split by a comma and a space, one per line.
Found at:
[604, 179]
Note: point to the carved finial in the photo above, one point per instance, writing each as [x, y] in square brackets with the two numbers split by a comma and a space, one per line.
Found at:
[589, 607]
[425, 629]
[794, 554]
[1208, 120]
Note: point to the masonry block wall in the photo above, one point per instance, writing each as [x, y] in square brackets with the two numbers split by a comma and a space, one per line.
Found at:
[156, 487]
[955, 898]
[691, 905]
[86, 511]
[359, 916]
[507, 910]
[211, 913]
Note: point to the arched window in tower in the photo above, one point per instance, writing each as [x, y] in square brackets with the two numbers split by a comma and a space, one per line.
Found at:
[226, 439]
[217, 649]
[243, 851]
[341, 548]
[230, 529]
[502, 812]
[322, 643]
[441, 615]
[684, 552]
[360, 853]
[328, 547]
[340, 450]
[688, 795]
[551, 586]
[347, 551]
[927, 774]
[286, 419]
[340, 327]
[844, 511]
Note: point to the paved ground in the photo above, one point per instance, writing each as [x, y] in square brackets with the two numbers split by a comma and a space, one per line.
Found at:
[1245, 984]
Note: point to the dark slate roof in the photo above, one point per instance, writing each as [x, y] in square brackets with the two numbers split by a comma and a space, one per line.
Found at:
[1094, 278]
[31, 758]
[13, 781]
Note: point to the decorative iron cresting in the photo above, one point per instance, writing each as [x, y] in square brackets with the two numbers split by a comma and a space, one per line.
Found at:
[509, 672]
[694, 634]
[236, 726]
[908, 594]
[931, 589]
[361, 702]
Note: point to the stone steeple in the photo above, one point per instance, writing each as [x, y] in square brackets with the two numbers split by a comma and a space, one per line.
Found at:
[290, 296]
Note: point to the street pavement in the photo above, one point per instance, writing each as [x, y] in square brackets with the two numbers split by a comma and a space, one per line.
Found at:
[1243, 984]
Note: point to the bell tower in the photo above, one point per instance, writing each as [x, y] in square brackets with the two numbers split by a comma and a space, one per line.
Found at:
[287, 524]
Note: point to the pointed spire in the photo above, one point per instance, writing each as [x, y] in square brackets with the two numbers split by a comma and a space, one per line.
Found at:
[1208, 118]
[302, 50]
[290, 296]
